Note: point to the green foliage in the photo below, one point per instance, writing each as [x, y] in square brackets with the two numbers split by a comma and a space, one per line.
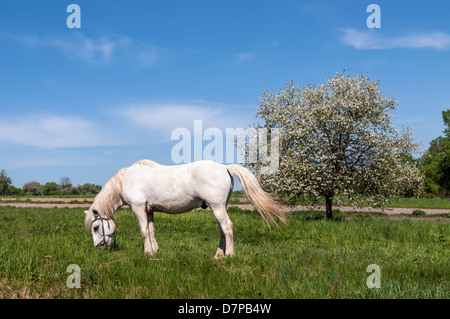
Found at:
[14, 191]
[418, 212]
[50, 188]
[5, 182]
[435, 163]
[47, 189]
[89, 189]
[446, 119]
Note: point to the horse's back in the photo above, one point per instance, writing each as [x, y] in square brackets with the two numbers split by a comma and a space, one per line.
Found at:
[178, 187]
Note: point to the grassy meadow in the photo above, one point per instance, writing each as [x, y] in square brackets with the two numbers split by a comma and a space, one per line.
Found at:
[310, 258]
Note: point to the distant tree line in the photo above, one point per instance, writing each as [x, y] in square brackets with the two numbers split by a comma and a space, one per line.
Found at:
[33, 188]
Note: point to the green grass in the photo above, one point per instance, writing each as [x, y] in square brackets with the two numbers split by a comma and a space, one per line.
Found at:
[433, 203]
[309, 258]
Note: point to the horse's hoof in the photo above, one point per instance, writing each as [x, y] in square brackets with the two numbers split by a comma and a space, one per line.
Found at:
[219, 254]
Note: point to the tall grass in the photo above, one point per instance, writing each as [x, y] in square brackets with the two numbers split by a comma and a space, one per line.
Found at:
[309, 258]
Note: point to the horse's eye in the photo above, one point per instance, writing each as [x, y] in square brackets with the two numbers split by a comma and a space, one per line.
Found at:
[95, 228]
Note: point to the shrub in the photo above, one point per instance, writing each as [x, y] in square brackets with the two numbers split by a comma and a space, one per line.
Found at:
[418, 212]
[70, 191]
[32, 188]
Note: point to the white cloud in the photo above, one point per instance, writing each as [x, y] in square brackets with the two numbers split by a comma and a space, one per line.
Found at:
[53, 132]
[274, 44]
[96, 51]
[244, 56]
[124, 126]
[374, 39]
[104, 50]
[166, 116]
[162, 116]
[147, 58]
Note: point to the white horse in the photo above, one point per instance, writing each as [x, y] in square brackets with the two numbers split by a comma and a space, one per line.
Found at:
[149, 187]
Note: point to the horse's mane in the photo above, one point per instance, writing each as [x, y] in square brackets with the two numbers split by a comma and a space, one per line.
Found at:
[105, 201]
[110, 197]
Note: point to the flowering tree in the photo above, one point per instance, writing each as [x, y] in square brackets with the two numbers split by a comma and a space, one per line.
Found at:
[338, 142]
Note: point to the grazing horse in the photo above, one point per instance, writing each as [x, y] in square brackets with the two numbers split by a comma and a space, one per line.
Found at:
[148, 187]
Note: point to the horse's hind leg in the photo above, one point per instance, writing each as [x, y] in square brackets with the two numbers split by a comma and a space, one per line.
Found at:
[151, 232]
[226, 244]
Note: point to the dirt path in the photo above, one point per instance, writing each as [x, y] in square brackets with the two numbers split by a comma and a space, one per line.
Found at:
[45, 199]
[86, 203]
[45, 205]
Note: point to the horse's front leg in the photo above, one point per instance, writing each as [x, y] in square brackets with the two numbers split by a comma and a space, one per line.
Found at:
[141, 215]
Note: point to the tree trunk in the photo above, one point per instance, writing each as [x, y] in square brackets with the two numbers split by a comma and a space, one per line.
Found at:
[329, 206]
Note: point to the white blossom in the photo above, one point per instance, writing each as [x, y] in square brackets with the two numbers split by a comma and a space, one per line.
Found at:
[338, 141]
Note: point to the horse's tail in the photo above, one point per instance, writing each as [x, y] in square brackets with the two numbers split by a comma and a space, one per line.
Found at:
[267, 207]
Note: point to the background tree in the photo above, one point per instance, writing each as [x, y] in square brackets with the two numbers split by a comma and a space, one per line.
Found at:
[435, 163]
[338, 142]
[70, 191]
[444, 164]
[50, 188]
[14, 191]
[32, 189]
[5, 183]
[89, 189]
[65, 182]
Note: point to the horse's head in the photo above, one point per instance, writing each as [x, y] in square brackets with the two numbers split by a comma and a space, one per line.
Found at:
[102, 228]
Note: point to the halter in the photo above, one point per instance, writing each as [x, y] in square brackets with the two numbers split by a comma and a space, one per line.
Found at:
[103, 242]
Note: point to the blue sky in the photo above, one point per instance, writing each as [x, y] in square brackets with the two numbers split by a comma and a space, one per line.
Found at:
[85, 102]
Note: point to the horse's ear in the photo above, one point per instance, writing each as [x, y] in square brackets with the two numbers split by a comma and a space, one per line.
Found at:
[95, 212]
[86, 212]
